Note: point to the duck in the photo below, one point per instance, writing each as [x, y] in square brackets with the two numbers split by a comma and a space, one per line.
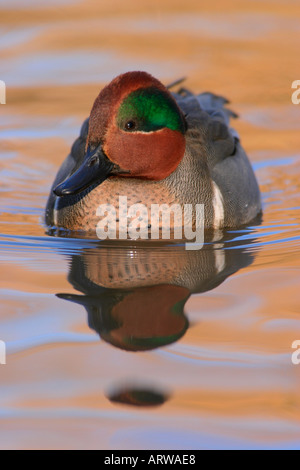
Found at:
[154, 146]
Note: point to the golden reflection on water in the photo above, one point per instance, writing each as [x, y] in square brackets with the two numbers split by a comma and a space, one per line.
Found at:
[220, 363]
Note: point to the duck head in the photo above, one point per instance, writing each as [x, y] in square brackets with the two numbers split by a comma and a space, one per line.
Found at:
[136, 130]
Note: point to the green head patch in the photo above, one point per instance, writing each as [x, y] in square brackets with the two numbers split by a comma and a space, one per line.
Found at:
[149, 109]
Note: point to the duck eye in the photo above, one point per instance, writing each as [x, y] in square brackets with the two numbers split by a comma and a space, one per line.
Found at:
[130, 125]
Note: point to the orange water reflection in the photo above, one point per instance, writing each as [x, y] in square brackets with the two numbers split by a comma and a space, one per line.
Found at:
[224, 375]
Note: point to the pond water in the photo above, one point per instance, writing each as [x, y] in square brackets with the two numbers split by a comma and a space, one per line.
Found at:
[132, 346]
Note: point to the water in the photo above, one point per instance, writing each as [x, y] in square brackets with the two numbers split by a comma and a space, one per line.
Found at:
[127, 346]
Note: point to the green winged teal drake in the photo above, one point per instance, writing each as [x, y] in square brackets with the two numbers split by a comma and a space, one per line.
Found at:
[155, 147]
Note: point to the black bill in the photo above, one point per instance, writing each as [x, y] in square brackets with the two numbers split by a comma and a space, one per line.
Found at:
[95, 168]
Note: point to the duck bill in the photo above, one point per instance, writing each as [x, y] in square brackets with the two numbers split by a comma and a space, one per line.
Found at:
[95, 168]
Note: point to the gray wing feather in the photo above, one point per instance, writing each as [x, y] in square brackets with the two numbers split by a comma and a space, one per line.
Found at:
[208, 113]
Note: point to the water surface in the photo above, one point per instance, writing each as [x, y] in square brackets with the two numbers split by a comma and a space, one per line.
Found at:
[133, 347]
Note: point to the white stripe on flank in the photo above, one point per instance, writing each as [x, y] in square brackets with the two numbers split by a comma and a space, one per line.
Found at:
[218, 205]
[218, 235]
[55, 212]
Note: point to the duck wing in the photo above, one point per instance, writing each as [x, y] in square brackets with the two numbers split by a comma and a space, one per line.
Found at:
[209, 119]
[211, 141]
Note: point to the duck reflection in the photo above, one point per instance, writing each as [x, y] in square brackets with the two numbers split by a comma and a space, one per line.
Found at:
[135, 296]
[138, 396]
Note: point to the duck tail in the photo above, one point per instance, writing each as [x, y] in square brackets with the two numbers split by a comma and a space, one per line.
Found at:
[175, 83]
[212, 104]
